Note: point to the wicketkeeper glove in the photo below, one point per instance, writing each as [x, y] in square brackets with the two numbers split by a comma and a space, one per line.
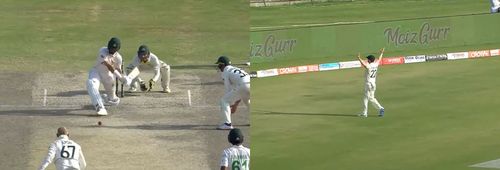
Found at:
[143, 86]
[151, 83]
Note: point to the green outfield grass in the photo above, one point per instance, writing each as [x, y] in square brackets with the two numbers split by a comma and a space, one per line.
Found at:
[440, 115]
[59, 35]
[362, 10]
[343, 42]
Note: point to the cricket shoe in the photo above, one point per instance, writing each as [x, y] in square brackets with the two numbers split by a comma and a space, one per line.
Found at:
[166, 90]
[104, 97]
[363, 115]
[225, 126]
[113, 102]
[132, 89]
[101, 111]
[381, 112]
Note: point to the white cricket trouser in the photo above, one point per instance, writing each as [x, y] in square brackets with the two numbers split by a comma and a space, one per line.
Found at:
[108, 82]
[164, 76]
[495, 9]
[242, 92]
[370, 96]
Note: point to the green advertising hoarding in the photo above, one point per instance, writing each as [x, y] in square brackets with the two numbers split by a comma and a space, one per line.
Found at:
[341, 42]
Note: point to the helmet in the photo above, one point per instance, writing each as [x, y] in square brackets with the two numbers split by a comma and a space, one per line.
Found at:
[235, 136]
[143, 49]
[114, 43]
[370, 58]
[223, 60]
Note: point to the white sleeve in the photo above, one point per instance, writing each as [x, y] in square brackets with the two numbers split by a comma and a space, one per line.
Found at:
[119, 61]
[50, 156]
[227, 83]
[100, 56]
[83, 164]
[225, 159]
[156, 66]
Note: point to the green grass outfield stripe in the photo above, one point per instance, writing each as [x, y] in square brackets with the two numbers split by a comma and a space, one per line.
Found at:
[362, 10]
[439, 115]
[285, 27]
[339, 43]
[47, 36]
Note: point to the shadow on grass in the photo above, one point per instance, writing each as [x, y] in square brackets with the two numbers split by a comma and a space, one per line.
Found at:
[161, 127]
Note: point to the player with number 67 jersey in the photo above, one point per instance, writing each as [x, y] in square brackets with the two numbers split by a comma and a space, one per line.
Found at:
[371, 76]
[67, 154]
[237, 89]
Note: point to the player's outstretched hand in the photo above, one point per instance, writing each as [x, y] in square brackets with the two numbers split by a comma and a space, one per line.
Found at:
[382, 50]
[109, 66]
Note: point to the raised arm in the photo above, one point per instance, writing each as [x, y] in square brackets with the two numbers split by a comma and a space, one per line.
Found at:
[363, 63]
[381, 54]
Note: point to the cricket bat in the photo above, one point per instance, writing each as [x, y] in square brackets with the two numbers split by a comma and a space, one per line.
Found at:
[134, 73]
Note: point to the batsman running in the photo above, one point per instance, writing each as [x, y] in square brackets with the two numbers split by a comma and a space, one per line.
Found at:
[371, 67]
[161, 69]
[106, 68]
[237, 89]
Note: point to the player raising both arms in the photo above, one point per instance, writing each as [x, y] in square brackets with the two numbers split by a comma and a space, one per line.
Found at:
[371, 67]
[237, 89]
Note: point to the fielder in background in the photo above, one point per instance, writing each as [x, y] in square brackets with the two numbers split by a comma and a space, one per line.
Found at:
[236, 156]
[237, 89]
[66, 153]
[371, 67]
[101, 73]
[495, 6]
[161, 69]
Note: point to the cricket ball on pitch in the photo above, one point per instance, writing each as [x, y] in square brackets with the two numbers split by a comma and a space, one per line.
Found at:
[99, 123]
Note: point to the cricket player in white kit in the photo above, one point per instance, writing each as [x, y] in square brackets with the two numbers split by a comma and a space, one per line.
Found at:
[161, 69]
[237, 89]
[67, 154]
[371, 67]
[236, 156]
[495, 6]
[100, 73]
